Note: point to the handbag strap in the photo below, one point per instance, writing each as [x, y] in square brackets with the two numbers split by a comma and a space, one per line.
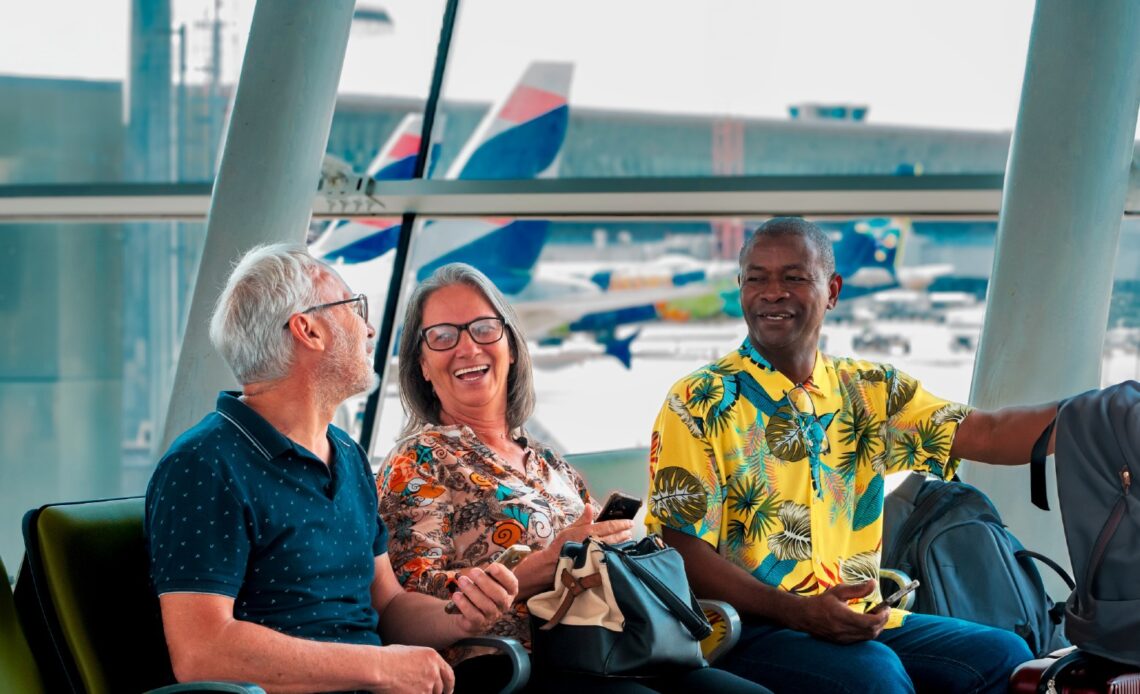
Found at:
[692, 619]
[575, 586]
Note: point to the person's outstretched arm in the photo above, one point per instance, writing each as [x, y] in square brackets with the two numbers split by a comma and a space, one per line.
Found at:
[1002, 437]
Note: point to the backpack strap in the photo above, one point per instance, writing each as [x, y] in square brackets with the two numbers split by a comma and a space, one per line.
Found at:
[931, 506]
[910, 487]
[1047, 562]
[1037, 482]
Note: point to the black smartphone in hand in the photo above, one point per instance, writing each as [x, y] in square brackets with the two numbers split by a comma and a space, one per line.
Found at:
[619, 507]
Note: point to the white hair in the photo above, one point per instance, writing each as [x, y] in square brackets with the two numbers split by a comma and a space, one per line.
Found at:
[268, 285]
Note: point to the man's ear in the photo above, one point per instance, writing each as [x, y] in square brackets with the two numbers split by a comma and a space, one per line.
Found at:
[308, 332]
[834, 285]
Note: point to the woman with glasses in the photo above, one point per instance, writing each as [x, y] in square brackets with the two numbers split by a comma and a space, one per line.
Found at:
[467, 481]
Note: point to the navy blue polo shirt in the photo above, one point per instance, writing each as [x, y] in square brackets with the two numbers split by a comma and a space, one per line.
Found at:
[235, 508]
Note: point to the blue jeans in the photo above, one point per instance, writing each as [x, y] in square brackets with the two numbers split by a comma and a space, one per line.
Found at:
[926, 654]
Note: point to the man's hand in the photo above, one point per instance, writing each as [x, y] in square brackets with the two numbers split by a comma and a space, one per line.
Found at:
[483, 596]
[827, 616]
[415, 670]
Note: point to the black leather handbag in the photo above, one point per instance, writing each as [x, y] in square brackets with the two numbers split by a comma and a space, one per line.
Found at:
[618, 610]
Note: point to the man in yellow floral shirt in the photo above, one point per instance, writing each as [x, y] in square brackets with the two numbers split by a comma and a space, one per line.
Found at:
[767, 474]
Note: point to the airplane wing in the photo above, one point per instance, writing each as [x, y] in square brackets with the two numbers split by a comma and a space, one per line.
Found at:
[543, 308]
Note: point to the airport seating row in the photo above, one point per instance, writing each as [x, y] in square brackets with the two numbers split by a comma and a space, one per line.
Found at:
[83, 617]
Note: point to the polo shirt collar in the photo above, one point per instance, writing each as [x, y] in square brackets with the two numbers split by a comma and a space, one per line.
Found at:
[260, 433]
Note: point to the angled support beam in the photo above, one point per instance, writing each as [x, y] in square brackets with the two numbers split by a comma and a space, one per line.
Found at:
[1065, 191]
[270, 167]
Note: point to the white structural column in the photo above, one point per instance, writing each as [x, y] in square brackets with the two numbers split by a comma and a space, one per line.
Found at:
[1065, 188]
[269, 170]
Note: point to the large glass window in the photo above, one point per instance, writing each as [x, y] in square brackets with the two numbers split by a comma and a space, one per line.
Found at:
[79, 105]
[650, 88]
[1122, 341]
[93, 316]
[616, 311]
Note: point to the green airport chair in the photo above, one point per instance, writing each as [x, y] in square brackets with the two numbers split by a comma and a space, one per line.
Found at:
[85, 584]
[18, 669]
[86, 581]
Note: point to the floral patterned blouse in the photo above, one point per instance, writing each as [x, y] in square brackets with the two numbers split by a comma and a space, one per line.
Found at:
[452, 503]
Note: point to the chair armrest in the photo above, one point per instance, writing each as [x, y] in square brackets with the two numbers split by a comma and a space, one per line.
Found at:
[900, 579]
[520, 659]
[725, 621]
[208, 686]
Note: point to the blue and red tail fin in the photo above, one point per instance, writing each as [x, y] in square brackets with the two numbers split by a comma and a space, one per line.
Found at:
[521, 136]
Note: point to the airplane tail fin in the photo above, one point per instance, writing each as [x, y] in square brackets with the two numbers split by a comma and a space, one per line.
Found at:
[620, 348]
[522, 135]
[874, 243]
[506, 254]
[358, 241]
[396, 159]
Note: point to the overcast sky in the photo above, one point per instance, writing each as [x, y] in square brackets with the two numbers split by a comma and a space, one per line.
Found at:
[956, 64]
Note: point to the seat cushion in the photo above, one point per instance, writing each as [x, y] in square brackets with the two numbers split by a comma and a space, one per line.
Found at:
[94, 563]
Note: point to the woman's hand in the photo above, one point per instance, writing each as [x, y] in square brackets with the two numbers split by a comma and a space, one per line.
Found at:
[483, 596]
[536, 572]
[607, 531]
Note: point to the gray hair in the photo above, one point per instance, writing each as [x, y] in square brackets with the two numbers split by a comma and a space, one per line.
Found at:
[793, 226]
[267, 286]
[420, 401]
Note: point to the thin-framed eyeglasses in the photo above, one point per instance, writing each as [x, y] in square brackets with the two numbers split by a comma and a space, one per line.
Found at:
[444, 336]
[800, 402]
[803, 414]
[359, 305]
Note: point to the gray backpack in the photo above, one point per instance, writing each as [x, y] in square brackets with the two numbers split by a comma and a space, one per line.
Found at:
[950, 537]
[1097, 457]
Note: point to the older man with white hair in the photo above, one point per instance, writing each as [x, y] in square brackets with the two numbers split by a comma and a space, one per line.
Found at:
[266, 549]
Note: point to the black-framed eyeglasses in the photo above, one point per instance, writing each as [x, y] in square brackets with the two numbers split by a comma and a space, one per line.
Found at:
[359, 305]
[444, 336]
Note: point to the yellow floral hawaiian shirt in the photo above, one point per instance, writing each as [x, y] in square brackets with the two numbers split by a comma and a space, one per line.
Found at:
[786, 480]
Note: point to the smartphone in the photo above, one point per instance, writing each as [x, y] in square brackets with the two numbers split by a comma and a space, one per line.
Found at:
[896, 597]
[619, 507]
[509, 557]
